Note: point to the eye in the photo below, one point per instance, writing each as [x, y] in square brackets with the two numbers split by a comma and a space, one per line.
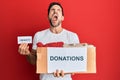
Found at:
[52, 9]
[58, 10]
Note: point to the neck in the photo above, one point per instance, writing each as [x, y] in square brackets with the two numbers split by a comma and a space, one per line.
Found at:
[56, 30]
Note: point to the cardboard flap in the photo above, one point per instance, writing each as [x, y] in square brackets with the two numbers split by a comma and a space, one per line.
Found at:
[42, 60]
[91, 59]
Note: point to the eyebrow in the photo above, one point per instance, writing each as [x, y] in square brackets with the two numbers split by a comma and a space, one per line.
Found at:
[54, 9]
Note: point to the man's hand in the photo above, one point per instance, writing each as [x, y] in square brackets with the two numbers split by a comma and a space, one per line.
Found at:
[59, 73]
[24, 49]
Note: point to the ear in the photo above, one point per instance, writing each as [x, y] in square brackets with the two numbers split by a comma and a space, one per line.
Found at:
[62, 18]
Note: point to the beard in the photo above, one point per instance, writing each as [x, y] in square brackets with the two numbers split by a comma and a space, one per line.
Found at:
[54, 25]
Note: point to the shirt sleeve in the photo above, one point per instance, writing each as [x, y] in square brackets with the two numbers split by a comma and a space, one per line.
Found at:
[34, 46]
[73, 38]
[76, 38]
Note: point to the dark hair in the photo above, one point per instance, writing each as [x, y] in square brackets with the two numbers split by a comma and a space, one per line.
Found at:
[55, 3]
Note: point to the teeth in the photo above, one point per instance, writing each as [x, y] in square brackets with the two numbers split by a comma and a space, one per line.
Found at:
[55, 15]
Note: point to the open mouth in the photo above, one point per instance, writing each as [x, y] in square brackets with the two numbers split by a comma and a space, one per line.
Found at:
[54, 21]
[55, 18]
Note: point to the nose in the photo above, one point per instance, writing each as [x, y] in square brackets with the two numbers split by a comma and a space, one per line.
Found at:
[55, 11]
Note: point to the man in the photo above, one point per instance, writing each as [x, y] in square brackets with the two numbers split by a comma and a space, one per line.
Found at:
[54, 34]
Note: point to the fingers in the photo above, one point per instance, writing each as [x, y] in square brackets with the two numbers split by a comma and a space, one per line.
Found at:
[59, 73]
[24, 49]
[62, 73]
[72, 73]
[56, 74]
[84, 44]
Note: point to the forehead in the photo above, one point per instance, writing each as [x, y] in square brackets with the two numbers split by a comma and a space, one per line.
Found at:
[55, 7]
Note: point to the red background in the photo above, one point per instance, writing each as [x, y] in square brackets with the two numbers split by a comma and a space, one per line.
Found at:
[95, 21]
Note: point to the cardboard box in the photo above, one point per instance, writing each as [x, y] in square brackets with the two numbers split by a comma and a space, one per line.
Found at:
[42, 65]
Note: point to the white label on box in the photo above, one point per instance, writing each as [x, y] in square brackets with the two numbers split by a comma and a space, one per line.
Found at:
[67, 59]
[24, 39]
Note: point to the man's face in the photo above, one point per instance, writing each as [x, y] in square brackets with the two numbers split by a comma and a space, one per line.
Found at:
[55, 16]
